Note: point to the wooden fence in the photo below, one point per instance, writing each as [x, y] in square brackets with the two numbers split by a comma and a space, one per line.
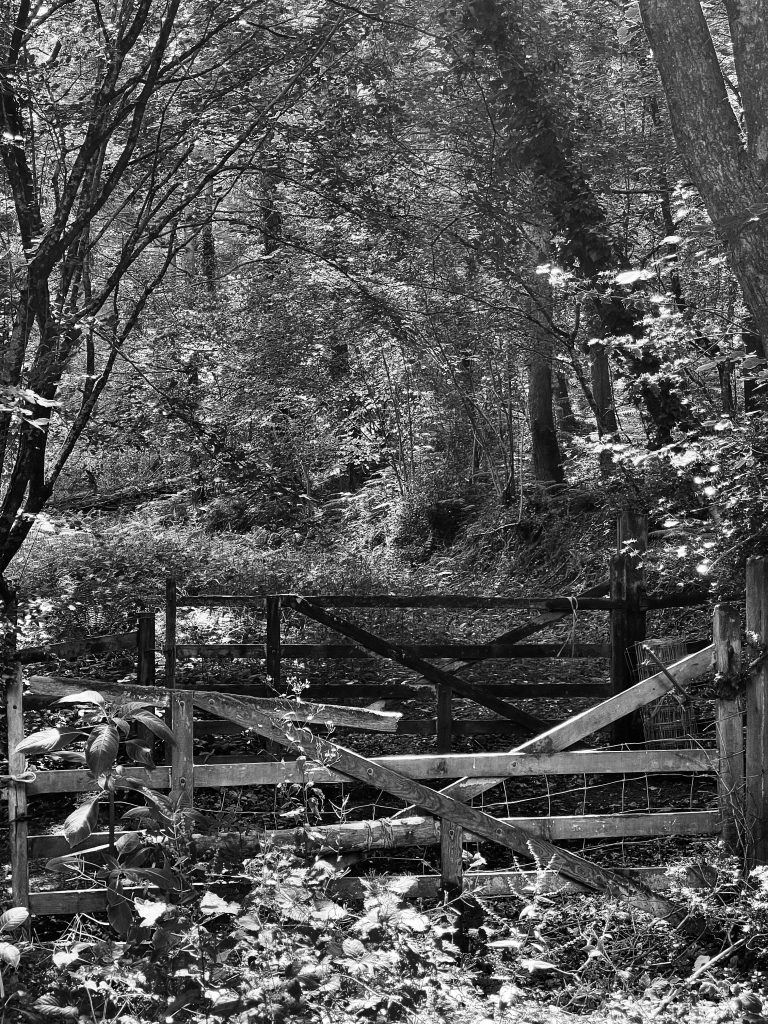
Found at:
[742, 816]
[453, 818]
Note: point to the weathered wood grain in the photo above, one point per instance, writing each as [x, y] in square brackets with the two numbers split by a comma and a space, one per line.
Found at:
[17, 791]
[171, 616]
[726, 634]
[577, 728]
[181, 753]
[74, 648]
[300, 711]
[592, 876]
[417, 830]
[463, 652]
[424, 668]
[757, 712]
[549, 604]
[417, 766]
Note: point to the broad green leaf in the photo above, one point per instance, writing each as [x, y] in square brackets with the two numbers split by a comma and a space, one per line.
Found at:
[63, 958]
[73, 856]
[84, 697]
[326, 911]
[139, 754]
[150, 911]
[48, 1006]
[120, 917]
[13, 918]
[47, 740]
[155, 725]
[129, 708]
[101, 748]
[136, 812]
[81, 822]
[127, 842]
[10, 954]
[212, 904]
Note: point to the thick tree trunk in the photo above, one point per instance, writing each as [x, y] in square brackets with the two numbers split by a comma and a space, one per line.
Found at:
[729, 174]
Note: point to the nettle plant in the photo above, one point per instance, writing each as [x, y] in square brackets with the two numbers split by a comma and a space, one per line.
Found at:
[113, 739]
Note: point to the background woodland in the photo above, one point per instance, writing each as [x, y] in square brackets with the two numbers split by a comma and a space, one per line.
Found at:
[371, 282]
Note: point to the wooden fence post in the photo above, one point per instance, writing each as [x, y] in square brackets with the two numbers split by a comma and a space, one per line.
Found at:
[452, 872]
[272, 607]
[726, 633]
[17, 763]
[182, 753]
[17, 791]
[145, 666]
[757, 718]
[170, 633]
[145, 670]
[628, 625]
[444, 719]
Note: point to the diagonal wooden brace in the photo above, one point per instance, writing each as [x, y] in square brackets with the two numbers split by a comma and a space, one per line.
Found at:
[562, 736]
[578, 869]
[430, 672]
[160, 696]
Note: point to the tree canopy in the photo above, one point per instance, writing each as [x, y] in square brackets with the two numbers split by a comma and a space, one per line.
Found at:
[443, 252]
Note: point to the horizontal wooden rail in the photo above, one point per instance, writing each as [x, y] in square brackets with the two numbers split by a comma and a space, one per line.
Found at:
[696, 599]
[408, 691]
[462, 652]
[502, 883]
[485, 883]
[66, 902]
[549, 604]
[544, 603]
[416, 830]
[417, 766]
[374, 692]
[73, 648]
[350, 836]
[405, 727]
[284, 707]
[207, 600]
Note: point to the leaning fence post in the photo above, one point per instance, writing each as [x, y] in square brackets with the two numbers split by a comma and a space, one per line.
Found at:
[170, 633]
[757, 718]
[726, 634]
[272, 607]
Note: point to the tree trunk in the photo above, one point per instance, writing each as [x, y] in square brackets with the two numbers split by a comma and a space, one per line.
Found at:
[729, 173]
[545, 450]
[567, 421]
[599, 369]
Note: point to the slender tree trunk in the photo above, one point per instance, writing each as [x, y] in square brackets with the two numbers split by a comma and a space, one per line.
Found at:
[545, 449]
[208, 241]
[599, 369]
[567, 421]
